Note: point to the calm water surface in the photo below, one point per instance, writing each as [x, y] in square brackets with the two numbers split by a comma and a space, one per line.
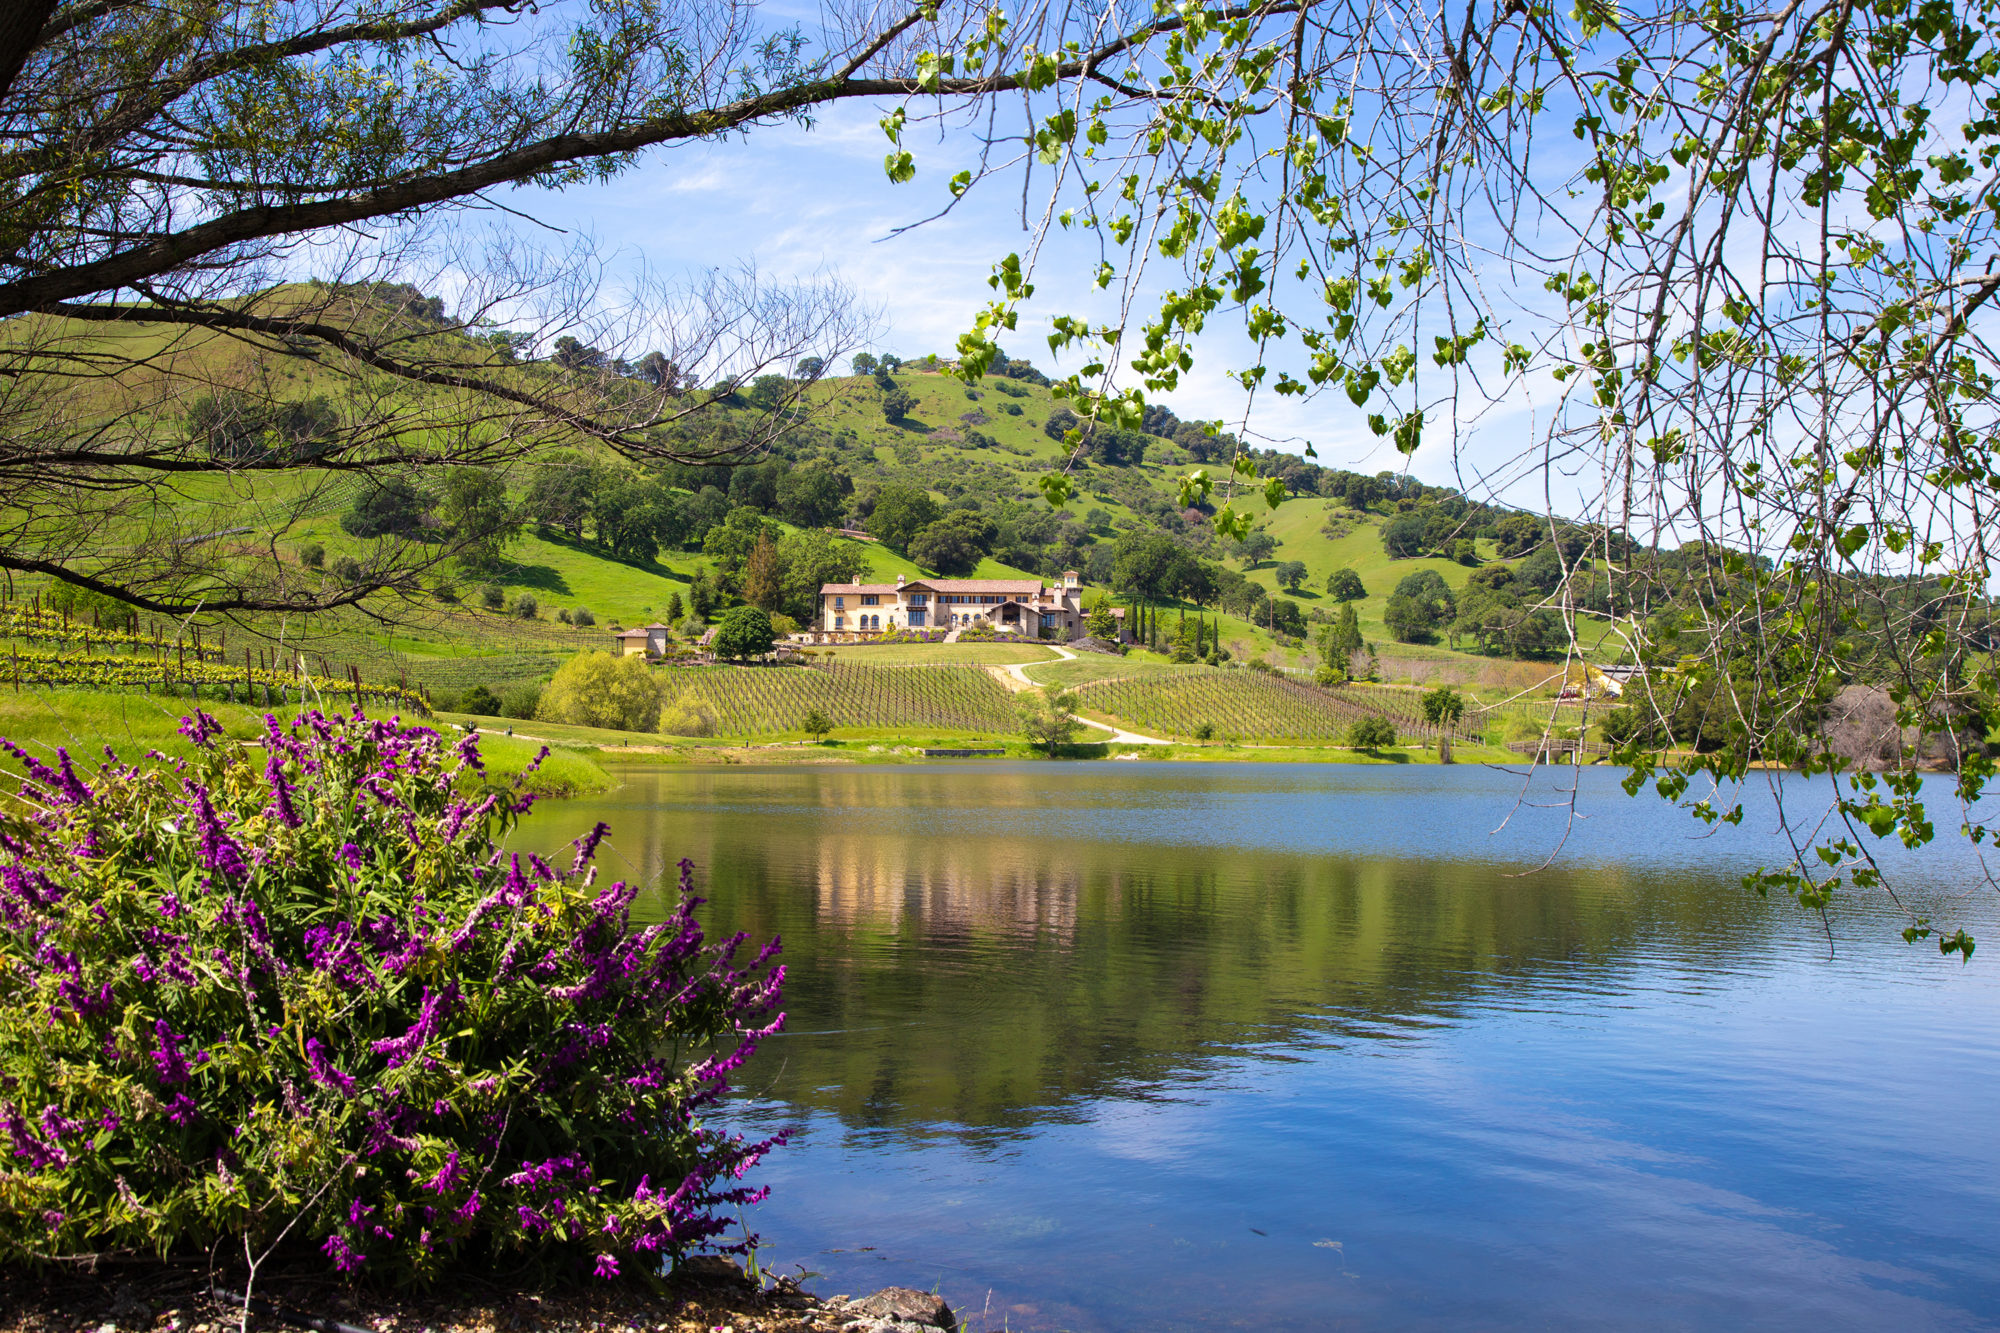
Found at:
[1160, 1046]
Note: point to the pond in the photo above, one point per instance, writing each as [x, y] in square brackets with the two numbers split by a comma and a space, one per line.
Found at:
[1158, 1046]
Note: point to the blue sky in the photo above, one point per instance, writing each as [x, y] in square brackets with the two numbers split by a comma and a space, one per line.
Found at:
[803, 203]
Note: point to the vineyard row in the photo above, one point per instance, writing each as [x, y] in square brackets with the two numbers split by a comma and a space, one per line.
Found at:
[232, 684]
[753, 700]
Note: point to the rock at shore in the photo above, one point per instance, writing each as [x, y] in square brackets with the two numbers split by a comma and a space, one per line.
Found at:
[902, 1310]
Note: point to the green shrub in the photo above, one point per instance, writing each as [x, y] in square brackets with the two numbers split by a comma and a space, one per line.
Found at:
[492, 596]
[521, 700]
[479, 701]
[582, 618]
[599, 690]
[526, 607]
[347, 569]
[312, 555]
[1370, 733]
[303, 997]
[691, 715]
[746, 631]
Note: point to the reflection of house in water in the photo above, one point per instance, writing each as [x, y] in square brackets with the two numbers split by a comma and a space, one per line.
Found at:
[946, 886]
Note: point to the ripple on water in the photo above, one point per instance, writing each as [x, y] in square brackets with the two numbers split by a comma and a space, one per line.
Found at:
[1181, 1046]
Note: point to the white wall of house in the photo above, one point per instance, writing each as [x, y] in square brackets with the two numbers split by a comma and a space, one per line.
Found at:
[1024, 609]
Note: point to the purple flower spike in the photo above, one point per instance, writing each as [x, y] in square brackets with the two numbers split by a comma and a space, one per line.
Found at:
[346, 1259]
[282, 807]
[201, 729]
[216, 850]
[172, 1065]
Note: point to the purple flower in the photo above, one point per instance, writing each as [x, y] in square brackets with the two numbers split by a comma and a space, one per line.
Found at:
[173, 1067]
[448, 1177]
[281, 792]
[346, 1258]
[435, 1008]
[201, 729]
[350, 856]
[586, 846]
[215, 849]
[323, 1070]
[607, 1267]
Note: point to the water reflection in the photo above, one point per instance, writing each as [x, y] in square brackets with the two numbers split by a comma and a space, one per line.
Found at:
[1150, 1046]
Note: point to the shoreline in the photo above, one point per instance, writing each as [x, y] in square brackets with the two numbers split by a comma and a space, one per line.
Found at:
[707, 1292]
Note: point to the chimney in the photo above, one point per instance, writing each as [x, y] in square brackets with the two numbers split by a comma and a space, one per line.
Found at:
[1069, 579]
[899, 581]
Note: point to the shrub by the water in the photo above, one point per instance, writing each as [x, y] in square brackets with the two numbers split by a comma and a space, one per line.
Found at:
[691, 715]
[304, 995]
[599, 690]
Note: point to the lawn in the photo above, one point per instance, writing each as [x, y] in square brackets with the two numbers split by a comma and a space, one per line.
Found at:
[85, 722]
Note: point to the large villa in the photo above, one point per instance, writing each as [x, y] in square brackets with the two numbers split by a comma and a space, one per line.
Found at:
[1028, 607]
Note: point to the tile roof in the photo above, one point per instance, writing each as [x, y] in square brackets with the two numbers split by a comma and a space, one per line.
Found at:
[937, 585]
[983, 585]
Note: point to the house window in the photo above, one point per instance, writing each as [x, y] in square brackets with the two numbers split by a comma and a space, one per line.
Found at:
[918, 599]
[840, 622]
[839, 602]
[870, 599]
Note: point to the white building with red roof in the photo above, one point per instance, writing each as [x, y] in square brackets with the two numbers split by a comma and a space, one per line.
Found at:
[1024, 606]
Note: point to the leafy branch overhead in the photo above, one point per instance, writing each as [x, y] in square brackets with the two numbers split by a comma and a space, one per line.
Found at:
[1725, 271]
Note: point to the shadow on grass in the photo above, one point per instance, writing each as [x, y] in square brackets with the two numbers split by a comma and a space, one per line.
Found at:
[610, 557]
[542, 578]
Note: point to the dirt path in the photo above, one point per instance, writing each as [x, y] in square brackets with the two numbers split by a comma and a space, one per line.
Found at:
[1016, 678]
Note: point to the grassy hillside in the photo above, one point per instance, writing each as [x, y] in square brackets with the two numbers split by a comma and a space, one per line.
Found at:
[985, 443]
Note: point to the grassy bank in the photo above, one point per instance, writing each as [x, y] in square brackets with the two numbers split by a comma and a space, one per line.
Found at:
[85, 723]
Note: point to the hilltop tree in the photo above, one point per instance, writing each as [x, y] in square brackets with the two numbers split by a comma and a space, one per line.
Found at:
[1344, 585]
[1256, 547]
[388, 507]
[476, 513]
[812, 497]
[560, 492]
[900, 513]
[811, 558]
[730, 542]
[955, 543]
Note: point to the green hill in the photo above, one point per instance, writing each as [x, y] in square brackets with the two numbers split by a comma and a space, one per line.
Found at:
[982, 446]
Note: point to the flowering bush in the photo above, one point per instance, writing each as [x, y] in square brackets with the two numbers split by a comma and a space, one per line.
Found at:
[304, 996]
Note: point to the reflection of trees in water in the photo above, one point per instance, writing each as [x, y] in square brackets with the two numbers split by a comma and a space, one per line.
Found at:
[950, 976]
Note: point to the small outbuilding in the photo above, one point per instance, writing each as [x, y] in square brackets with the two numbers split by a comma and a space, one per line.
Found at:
[645, 641]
